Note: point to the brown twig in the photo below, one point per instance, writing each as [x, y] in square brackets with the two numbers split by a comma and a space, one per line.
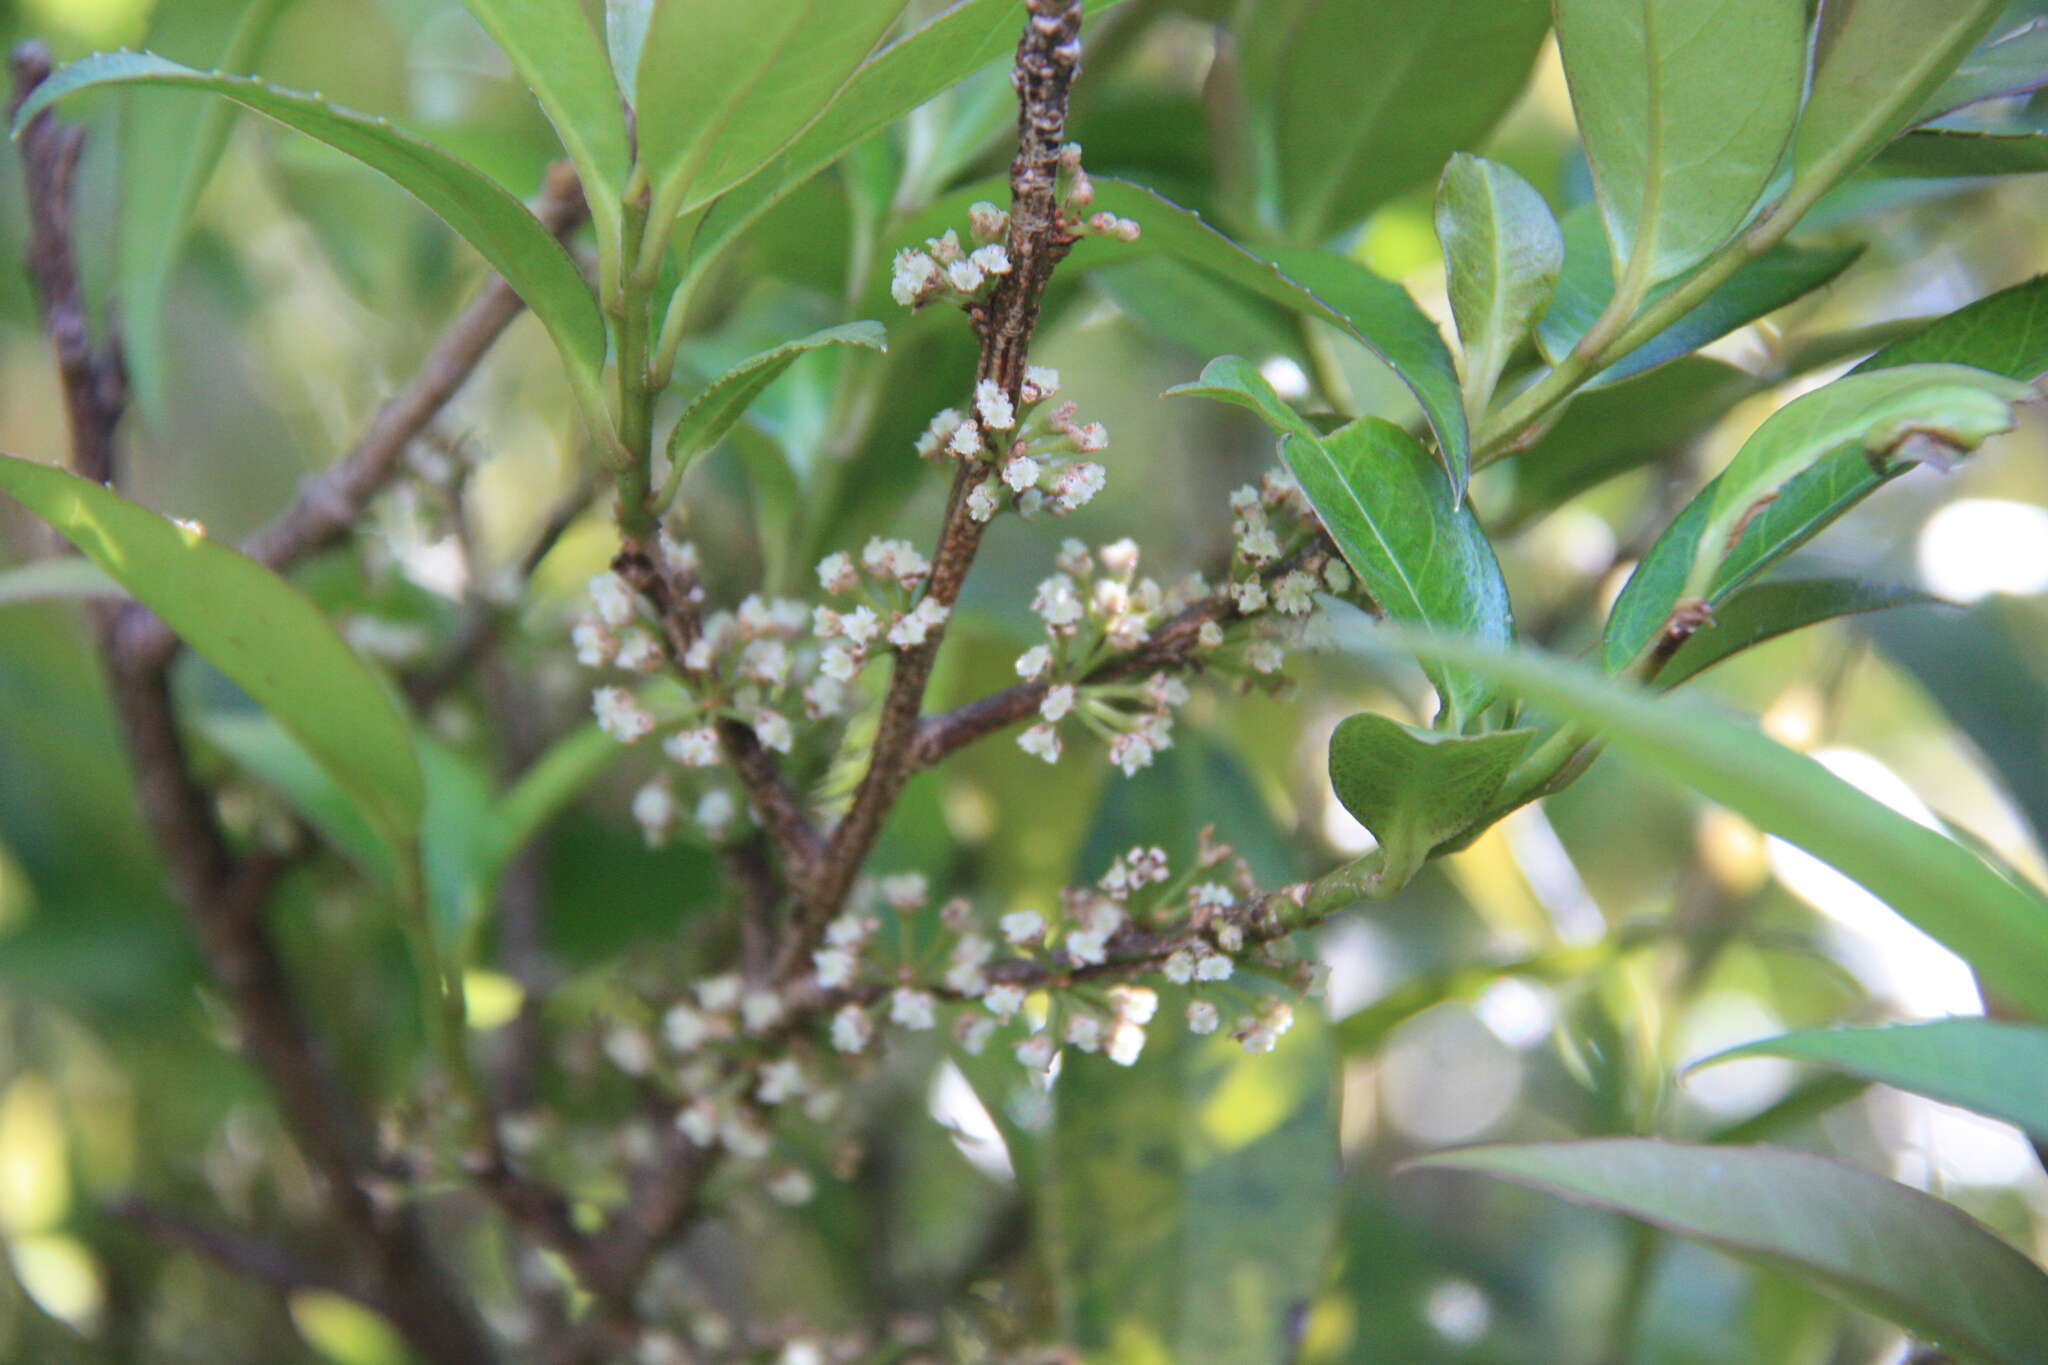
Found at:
[223, 896]
[1048, 59]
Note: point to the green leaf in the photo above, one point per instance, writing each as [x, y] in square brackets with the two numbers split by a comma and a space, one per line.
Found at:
[1423, 558]
[916, 67]
[544, 790]
[1366, 101]
[167, 158]
[1190, 1198]
[625, 35]
[1814, 454]
[2016, 64]
[1999, 927]
[2005, 333]
[1415, 789]
[1876, 63]
[1942, 153]
[557, 52]
[260, 746]
[1771, 281]
[44, 580]
[1764, 611]
[252, 626]
[714, 412]
[1502, 254]
[1877, 1245]
[1992, 1068]
[1382, 316]
[495, 223]
[724, 88]
[1685, 107]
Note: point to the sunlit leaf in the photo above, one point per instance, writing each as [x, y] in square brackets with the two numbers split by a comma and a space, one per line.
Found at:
[495, 223]
[1876, 63]
[1502, 254]
[1657, 85]
[1996, 925]
[1993, 1068]
[1423, 558]
[1415, 789]
[252, 626]
[714, 411]
[1879, 1246]
[2014, 64]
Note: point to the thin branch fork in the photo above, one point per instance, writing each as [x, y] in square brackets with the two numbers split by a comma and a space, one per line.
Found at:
[1048, 60]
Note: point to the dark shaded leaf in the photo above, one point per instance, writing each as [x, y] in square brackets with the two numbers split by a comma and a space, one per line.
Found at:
[1764, 611]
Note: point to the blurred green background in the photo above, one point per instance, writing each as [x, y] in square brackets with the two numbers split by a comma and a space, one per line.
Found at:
[1549, 982]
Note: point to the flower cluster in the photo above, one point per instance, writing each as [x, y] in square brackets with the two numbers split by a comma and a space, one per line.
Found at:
[1033, 453]
[882, 583]
[946, 269]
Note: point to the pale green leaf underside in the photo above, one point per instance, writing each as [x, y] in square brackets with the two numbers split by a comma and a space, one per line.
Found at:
[251, 625]
[1685, 107]
[1416, 789]
[1992, 1068]
[1889, 1250]
[1999, 927]
[1502, 254]
[477, 207]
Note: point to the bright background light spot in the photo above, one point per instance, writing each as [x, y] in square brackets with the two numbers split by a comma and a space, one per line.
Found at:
[960, 1111]
[1285, 376]
[1458, 1311]
[1975, 547]
[1897, 959]
[1447, 1078]
[1716, 1023]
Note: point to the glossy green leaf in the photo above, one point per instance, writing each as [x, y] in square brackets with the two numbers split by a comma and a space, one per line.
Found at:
[1999, 927]
[1992, 1068]
[1415, 789]
[713, 412]
[544, 790]
[261, 747]
[45, 580]
[252, 626]
[1776, 278]
[2013, 64]
[167, 157]
[1382, 316]
[1876, 63]
[914, 68]
[1191, 1197]
[1361, 102]
[1812, 460]
[1502, 254]
[1685, 107]
[1423, 558]
[722, 89]
[1953, 406]
[495, 223]
[557, 51]
[1947, 153]
[1879, 1246]
[1765, 611]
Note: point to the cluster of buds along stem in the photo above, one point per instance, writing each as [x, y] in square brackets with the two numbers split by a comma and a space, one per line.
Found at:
[1030, 452]
[944, 269]
[889, 611]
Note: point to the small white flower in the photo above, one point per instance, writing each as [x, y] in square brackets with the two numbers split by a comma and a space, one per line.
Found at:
[792, 1188]
[1249, 595]
[1277, 1015]
[1077, 485]
[1265, 656]
[629, 1050]
[1037, 1052]
[773, 729]
[1132, 752]
[915, 626]
[836, 573]
[972, 1032]
[1213, 967]
[781, 1079]
[1258, 1038]
[835, 967]
[1229, 937]
[1135, 1004]
[911, 1009]
[1089, 438]
[1210, 635]
[715, 810]
[684, 1028]
[760, 1010]
[612, 599]
[1088, 947]
[595, 646]
[620, 715]
[718, 993]
[1040, 383]
[699, 1123]
[1120, 557]
[1058, 703]
[1294, 595]
[744, 1138]
[994, 259]
[986, 221]
[946, 247]
[1003, 1001]
[911, 273]
[852, 1030]
[765, 662]
[1337, 576]
[991, 404]
[1020, 472]
[966, 978]
[860, 625]
[824, 697]
[693, 748]
[897, 559]
[1041, 741]
[1034, 662]
[1202, 1017]
[639, 652]
[1212, 896]
[848, 930]
[905, 891]
[1056, 601]
[1084, 1031]
[1022, 927]
[1126, 1041]
[654, 810]
[802, 1351]
[838, 663]
[982, 501]
[1259, 545]
[964, 275]
[1179, 967]
[966, 441]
